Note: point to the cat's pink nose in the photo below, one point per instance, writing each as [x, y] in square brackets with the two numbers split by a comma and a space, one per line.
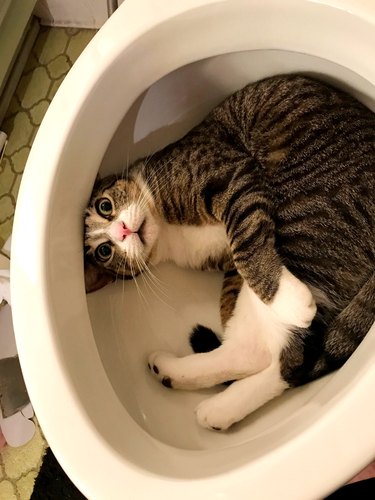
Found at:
[120, 231]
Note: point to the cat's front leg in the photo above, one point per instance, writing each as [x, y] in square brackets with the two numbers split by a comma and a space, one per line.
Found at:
[203, 370]
[247, 212]
[244, 350]
[293, 302]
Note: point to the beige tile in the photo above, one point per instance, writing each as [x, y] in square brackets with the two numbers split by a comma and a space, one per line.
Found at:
[78, 42]
[19, 130]
[16, 186]
[58, 67]
[22, 86]
[54, 44]
[19, 159]
[33, 87]
[14, 106]
[6, 209]
[38, 111]
[54, 87]
[40, 42]
[5, 232]
[4, 164]
[6, 178]
[33, 134]
[31, 63]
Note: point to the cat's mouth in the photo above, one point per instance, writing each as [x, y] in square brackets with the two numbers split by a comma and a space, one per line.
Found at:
[141, 232]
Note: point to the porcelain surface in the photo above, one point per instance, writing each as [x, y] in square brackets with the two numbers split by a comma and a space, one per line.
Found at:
[153, 71]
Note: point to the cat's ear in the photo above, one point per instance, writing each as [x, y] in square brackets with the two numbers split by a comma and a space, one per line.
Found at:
[96, 278]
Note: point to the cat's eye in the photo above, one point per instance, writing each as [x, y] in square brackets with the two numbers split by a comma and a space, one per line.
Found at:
[104, 207]
[103, 252]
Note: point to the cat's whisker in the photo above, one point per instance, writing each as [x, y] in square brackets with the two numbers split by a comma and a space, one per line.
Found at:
[151, 183]
[143, 200]
[157, 292]
[145, 281]
[155, 172]
[146, 197]
[140, 293]
[153, 288]
[122, 264]
[158, 284]
[147, 159]
[161, 282]
[123, 281]
[154, 182]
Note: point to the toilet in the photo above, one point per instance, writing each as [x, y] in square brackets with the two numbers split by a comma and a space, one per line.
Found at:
[152, 72]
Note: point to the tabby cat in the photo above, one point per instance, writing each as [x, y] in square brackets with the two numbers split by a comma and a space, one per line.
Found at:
[276, 189]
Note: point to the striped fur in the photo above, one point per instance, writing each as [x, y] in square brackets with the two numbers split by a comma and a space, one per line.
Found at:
[276, 188]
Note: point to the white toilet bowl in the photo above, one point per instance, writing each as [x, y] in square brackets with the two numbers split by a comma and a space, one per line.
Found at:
[152, 72]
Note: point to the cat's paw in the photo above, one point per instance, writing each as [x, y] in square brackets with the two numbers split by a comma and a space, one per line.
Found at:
[213, 415]
[159, 363]
[293, 302]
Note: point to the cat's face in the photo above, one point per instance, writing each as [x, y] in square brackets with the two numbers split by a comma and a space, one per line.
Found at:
[120, 227]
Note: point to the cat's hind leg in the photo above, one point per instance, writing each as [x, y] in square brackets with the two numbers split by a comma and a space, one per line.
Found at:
[240, 399]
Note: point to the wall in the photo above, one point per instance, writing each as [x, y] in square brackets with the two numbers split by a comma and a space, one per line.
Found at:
[14, 16]
[73, 13]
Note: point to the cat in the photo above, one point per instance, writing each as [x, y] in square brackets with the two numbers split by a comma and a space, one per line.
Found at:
[276, 189]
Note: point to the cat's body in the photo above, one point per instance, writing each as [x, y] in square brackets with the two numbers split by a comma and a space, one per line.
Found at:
[276, 188]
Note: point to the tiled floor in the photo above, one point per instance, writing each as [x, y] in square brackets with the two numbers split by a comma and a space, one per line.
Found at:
[55, 51]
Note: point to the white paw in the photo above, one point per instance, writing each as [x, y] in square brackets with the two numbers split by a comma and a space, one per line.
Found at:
[159, 364]
[213, 415]
[293, 302]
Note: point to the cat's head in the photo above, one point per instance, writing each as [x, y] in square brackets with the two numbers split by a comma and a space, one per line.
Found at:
[120, 231]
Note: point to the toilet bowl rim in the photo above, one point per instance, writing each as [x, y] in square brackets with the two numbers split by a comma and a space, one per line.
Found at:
[33, 159]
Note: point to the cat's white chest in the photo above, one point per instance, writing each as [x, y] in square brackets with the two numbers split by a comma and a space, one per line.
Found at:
[191, 246]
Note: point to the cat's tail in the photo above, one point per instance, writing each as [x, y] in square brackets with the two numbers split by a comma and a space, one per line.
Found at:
[349, 328]
[203, 339]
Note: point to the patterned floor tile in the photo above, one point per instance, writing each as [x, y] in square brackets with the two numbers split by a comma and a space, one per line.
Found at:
[55, 51]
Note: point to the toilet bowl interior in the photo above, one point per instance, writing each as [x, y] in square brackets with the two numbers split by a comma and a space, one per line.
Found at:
[131, 319]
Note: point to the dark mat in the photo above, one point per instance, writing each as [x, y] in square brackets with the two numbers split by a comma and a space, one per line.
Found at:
[362, 490]
[52, 483]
